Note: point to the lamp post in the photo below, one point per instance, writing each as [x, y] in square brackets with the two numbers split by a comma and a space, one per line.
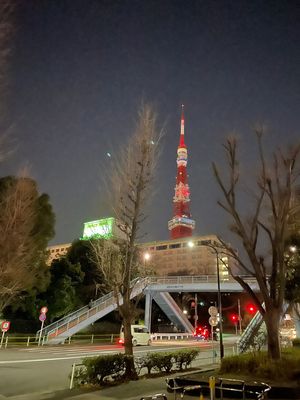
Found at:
[219, 298]
[191, 244]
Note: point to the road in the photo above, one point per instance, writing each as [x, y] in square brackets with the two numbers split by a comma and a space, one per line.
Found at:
[47, 369]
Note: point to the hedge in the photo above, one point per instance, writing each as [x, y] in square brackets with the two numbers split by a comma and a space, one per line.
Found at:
[110, 368]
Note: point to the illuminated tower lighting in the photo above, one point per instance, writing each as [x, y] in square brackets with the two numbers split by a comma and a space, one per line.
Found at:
[181, 225]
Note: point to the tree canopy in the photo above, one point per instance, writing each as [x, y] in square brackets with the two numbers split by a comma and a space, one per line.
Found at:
[26, 226]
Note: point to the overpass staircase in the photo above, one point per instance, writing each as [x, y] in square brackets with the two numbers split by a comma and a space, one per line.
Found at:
[250, 332]
[169, 306]
[59, 331]
[256, 324]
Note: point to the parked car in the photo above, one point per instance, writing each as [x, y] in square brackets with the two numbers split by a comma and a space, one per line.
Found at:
[140, 335]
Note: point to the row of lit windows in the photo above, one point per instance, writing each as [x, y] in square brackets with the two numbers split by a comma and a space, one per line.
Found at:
[184, 244]
[57, 250]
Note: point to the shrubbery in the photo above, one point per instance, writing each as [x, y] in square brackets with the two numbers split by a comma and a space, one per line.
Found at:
[166, 361]
[111, 368]
[101, 369]
[296, 342]
[259, 366]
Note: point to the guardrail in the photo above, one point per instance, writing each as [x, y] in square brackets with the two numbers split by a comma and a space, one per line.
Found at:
[28, 341]
[171, 336]
[219, 385]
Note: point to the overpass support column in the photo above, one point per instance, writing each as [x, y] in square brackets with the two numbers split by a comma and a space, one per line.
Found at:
[148, 309]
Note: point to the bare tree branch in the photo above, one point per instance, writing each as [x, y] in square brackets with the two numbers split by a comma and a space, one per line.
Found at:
[269, 219]
[130, 183]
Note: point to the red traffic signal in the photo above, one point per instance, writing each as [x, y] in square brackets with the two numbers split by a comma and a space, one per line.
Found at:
[234, 318]
[251, 308]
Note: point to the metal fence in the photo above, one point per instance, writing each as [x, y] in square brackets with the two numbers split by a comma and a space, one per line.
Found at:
[31, 340]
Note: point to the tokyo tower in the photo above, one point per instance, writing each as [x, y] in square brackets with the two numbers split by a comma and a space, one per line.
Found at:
[181, 225]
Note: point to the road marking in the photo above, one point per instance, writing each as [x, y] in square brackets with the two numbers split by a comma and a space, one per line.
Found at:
[82, 355]
[47, 359]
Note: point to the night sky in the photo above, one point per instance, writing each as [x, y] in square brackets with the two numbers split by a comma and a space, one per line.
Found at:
[80, 69]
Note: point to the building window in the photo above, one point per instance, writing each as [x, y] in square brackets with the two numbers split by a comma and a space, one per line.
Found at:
[174, 246]
[204, 242]
[164, 247]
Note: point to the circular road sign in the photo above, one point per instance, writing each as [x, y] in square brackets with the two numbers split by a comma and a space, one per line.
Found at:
[213, 321]
[42, 317]
[5, 326]
[44, 310]
[213, 311]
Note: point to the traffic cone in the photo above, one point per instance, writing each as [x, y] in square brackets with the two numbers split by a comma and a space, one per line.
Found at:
[201, 397]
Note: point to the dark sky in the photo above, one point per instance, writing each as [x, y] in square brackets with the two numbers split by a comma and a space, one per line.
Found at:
[80, 69]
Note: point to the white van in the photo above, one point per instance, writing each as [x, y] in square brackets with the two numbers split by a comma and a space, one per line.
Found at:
[140, 335]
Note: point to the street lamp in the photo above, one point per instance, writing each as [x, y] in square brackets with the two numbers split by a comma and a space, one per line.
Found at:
[219, 297]
[146, 257]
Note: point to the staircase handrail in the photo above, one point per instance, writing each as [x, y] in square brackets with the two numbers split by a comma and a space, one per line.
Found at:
[77, 313]
[253, 327]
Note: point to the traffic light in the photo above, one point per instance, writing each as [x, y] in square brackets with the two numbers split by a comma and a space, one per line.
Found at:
[251, 308]
[234, 318]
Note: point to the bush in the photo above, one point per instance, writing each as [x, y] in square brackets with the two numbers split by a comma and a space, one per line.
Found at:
[184, 358]
[164, 362]
[260, 366]
[296, 342]
[147, 362]
[111, 368]
[100, 370]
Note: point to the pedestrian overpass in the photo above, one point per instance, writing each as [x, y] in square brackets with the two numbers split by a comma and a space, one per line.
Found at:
[155, 288]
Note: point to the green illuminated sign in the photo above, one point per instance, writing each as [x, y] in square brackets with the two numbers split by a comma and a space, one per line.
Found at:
[102, 228]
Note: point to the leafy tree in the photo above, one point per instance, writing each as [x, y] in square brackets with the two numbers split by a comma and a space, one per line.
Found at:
[24, 235]
[265, 226]
[92, 284]
[61, 297]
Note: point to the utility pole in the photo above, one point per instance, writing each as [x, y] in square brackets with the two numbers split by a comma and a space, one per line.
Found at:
[240, 317]
[196, 311]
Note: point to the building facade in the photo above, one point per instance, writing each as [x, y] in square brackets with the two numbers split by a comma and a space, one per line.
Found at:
[186, 256]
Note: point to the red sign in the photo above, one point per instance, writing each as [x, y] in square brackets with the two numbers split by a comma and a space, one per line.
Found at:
[5, 326]
[42, 317]
[44, 310]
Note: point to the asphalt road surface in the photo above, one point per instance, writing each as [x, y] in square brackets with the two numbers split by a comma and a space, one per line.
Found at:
[47, 369]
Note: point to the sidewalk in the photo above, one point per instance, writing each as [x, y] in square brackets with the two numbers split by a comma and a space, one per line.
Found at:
[132, 390]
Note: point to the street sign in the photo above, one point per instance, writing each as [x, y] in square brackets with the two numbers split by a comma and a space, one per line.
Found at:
[5, 326]
[213, 321]
[213, 311]
[44, 310]
[42, 317]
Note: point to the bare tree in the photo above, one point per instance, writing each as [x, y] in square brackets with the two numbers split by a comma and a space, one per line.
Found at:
[265, 227]
[130, 183]
[17, 244]
[7, 30]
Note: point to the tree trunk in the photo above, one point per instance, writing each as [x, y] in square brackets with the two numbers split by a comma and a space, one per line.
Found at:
[272, 320]
[130, 372]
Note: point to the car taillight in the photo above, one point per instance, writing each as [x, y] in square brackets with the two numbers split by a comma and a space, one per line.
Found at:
[121, 341]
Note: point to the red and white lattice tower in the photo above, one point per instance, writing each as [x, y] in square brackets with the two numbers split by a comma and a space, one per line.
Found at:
[181, 225]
